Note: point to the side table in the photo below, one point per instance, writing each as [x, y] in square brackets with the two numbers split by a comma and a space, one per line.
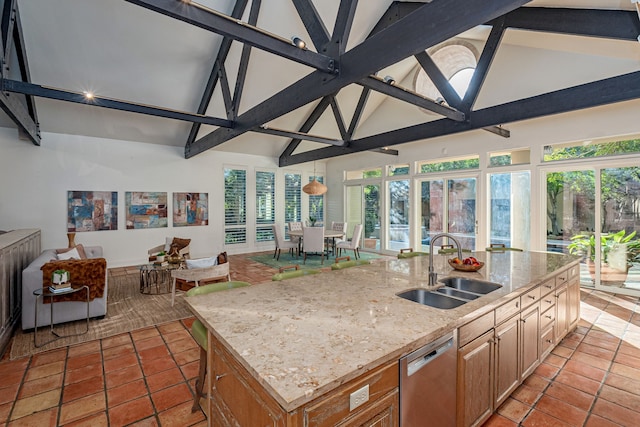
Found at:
[44, 293]
[157, 275]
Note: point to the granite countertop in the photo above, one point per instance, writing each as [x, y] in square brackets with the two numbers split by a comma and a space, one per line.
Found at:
[302, 337]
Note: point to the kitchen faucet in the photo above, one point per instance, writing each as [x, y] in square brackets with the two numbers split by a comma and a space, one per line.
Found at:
[433, 276]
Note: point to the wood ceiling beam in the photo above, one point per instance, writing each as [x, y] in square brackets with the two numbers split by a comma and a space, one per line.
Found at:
[607, 91]
[211, 20]
[298, 135]
[342, 27]
[357, 113]
[307, 125]
[438, 79]
[414, 98]
[25, 117]
[313, 24]
[32, 89]
[612, 24]
[212, 81]
[404, 38]
[244, 64]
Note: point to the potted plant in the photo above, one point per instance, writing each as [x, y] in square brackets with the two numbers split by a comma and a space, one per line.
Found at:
[160, 256]
[619, 252]
[312, 221]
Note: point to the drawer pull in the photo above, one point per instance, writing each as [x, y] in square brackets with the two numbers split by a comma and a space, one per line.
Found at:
[548, 301]
[548, 286]
[548, 316]
[517, 304]
[549, 341]
[220, 376]
[531, 296]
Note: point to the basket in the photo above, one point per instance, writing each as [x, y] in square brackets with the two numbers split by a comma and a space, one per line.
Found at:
[465, 267]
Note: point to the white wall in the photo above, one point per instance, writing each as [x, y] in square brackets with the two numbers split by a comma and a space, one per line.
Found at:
[34, 182]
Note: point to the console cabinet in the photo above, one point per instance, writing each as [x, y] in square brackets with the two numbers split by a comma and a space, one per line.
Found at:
[500, 349]
[17, 249]
[237, 399]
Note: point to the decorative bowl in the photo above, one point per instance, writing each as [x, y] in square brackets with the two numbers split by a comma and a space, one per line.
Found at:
[465, 267]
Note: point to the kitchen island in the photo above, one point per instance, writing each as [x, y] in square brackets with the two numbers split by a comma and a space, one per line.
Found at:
[293, 352]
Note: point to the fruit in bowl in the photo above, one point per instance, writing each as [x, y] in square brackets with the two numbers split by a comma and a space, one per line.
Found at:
[466, 264]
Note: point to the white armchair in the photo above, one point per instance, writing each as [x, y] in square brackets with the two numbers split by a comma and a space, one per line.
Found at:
[353, 244]
[182, 245]
[281, 243]
[197, 275]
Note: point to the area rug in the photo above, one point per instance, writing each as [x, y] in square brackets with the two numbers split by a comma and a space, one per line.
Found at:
[127, 310]
[312, 261]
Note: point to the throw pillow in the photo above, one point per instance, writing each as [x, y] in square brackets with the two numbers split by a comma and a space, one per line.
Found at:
[222, 258]
[70, 254]
[181, 243]
[202, 262]
[167, 244]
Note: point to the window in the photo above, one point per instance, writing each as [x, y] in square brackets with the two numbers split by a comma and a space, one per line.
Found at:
[457, 61]
[590, 149]
[510, 209]
[511, 157]
[235, 202]
[364, 174]
[398, 219]
[316, 203]
[443, 165]
[292, 197]
[396, 170]
[265, 205]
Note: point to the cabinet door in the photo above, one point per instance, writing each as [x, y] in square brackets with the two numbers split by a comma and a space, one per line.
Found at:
[574, 303]
[529, 340]
[236, 398]
[562, 314]
[475, 381]
[507, 374]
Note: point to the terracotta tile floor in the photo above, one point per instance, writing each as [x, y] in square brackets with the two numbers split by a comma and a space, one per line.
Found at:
[146, 377]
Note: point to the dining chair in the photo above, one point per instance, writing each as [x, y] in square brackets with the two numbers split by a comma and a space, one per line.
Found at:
[313, 238]
[353, 244]
[199, 333]
[281, 243]
[295, 226]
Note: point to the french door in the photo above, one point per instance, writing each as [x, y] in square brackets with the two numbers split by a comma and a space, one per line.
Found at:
[448, 205]
[595, 213]
[363, 207]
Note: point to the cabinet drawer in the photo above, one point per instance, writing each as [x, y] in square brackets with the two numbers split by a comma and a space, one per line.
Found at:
[507, 310]
[546, 338]
[334, 408]
[530, 297]
[562, 278]
[548, 286]
[475, 328]
[547, 317]
[547, 301]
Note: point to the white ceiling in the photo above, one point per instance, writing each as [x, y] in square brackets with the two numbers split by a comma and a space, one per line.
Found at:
[119, 50]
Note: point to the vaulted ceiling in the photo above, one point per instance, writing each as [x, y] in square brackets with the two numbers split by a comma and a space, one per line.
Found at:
[225, 74]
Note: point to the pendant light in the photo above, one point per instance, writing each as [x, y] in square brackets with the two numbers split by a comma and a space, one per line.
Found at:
[314, 188]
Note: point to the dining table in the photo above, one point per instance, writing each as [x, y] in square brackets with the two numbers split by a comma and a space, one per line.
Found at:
[328, 234]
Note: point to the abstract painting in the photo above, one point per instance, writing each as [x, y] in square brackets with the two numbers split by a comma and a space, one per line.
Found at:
[146, 209]
[92, 210]
[190, 209]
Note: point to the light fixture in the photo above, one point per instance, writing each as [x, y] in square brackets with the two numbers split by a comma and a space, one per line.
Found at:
[297, 41]
[88, 95]
[389, 80]
[314, 188]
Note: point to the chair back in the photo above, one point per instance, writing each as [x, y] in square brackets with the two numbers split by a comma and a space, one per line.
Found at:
[199, 274]
[295, 226]
[278, 234]
[313, 238]
[339, 226]
[357, 233]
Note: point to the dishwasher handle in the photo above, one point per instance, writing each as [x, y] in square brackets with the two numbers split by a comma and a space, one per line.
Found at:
[423, 356]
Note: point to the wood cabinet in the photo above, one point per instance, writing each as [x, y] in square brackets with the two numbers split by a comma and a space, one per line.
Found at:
[17, 249]
[475, 381]
[237, 399]
[500, 349]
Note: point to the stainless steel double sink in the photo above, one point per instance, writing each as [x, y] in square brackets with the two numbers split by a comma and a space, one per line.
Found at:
[455, 292]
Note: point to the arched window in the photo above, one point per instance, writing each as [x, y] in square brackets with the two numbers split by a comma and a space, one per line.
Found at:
[457, 62]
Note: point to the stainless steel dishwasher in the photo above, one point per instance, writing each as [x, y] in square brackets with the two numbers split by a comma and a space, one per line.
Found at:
[428, 384]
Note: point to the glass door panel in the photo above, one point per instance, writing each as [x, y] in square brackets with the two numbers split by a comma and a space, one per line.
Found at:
[620, 225]
[371, 234]
[510, 209]
[462, 211]
[398, 220]
[432, 212]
